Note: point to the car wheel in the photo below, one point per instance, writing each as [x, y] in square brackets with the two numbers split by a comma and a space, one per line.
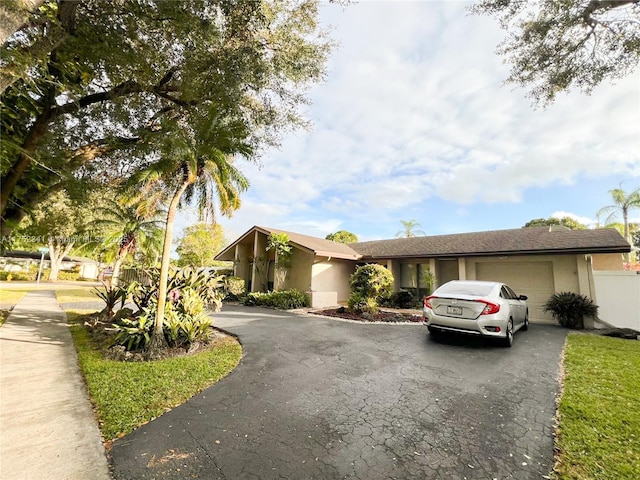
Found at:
[525, 325]
[508, 340]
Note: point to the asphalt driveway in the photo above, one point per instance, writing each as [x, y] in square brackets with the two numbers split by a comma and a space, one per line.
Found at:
[325, 399]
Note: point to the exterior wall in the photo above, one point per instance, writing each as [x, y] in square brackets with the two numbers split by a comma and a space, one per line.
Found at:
[608, 261]
[618, 298]
[447, 270]
[299, 273]
[332, 276]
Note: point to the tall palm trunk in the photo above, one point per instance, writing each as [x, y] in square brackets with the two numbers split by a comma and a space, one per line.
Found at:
[157, 339]
[117, 266]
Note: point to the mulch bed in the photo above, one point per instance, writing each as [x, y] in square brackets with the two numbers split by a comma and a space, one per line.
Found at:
[382, 316]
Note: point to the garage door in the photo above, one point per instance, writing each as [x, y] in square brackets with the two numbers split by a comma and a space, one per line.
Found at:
[533, 279]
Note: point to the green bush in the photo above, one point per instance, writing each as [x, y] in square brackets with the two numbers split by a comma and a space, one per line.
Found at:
[68, 275]
[569, 309]
[285, 300]
[369, 284]
[234, 288]
[401, 299]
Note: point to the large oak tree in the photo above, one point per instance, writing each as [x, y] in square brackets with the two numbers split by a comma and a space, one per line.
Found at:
[556, 45]
[95, 89]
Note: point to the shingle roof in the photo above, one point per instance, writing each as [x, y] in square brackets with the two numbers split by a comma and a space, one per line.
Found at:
[530, 240]
[319, 246]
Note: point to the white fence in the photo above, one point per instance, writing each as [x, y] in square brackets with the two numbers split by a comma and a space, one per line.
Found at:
[618, 296]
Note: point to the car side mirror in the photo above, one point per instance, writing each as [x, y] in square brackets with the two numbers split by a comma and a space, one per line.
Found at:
[523, 297]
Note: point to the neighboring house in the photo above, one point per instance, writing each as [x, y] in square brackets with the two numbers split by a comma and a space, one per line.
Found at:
[21, 260]
[534, 261]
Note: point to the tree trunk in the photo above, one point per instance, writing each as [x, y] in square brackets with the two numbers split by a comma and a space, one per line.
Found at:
[157, 339]
[117, 266]
[57, 252]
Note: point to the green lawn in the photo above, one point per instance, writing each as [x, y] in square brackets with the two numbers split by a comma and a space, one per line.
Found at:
[13, 295]
[599, 429]
[128, 394]
[76, 295]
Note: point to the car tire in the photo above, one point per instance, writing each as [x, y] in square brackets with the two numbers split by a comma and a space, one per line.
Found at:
[508, 340]
[525, 325]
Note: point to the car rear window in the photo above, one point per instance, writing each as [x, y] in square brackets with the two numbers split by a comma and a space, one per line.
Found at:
[477, 289]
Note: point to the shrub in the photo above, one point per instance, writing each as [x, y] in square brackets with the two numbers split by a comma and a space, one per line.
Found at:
[233, 288]
[360, 304]
[401, 299]
[569, 309]
[71, 275]
[285, 300]
[369, 283]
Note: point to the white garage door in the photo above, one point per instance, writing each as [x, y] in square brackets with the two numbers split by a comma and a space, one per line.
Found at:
[533, 279]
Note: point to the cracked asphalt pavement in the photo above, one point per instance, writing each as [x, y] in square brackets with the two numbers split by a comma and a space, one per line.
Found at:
[317, 398]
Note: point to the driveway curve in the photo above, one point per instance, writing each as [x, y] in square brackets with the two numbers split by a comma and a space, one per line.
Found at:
[325, 399]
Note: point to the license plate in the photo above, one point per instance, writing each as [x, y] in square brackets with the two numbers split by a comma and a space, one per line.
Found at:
[454, 310]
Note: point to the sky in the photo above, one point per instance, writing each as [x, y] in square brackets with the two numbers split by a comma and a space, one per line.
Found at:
[414, 122]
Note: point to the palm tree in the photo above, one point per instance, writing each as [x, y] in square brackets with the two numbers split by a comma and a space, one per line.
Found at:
[623, 202]
[193, 174]
[129, 223]
[409, 229]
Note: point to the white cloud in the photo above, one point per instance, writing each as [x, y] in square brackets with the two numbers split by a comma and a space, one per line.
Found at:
[414, 109]
[584, 220]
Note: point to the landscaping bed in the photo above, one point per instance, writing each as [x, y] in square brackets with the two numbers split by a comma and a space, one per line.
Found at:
[381, 316]
[127, 394]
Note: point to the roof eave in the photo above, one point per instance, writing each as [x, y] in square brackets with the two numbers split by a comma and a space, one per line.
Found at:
[566, 251]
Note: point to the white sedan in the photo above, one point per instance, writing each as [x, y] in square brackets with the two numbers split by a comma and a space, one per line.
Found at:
[490, 309]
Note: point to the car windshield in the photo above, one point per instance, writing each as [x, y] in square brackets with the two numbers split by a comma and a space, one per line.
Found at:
[463, 288]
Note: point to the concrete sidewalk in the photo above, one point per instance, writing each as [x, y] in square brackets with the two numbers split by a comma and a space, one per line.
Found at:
[47, 427]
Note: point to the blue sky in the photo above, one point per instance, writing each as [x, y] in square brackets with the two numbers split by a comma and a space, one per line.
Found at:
[414, 122]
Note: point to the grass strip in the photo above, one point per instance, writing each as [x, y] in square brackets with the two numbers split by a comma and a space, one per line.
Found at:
[65, 295]
[12, 295]
[128, 394]
[599, 414]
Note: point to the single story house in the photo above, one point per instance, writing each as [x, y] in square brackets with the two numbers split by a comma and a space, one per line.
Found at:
[534, 261]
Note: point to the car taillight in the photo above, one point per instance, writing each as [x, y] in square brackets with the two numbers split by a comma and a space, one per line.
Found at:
[427, 302]
[490, 308]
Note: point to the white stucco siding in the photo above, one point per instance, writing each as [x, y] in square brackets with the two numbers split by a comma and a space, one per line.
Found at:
[299, 273]
[332, 276]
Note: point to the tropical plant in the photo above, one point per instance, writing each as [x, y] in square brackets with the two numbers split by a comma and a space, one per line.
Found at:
[111, 295]
[234, 287]
[135, 333]
[623, 203]
[279, 244]
[569, 309]
[369, 283]
[410, 229]
[130, 223]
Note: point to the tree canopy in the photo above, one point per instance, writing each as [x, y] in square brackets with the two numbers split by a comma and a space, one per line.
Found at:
[554, 46]
[342, 236]
[100, 89]
[200, 244]
[564, 221]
